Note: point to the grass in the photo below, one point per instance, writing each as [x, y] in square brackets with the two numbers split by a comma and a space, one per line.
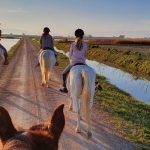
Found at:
[132, 62]
[36, 43]
[127, 115]
[13, 49]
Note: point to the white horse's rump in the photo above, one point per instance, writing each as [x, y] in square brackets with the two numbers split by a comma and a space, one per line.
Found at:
[2, 58]
[47, 62]
[81, 86]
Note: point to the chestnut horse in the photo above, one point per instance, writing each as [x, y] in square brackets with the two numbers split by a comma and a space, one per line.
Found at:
[39, 137]
[81, 86]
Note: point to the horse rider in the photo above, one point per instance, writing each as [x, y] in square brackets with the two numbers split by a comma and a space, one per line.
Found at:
[6, 62]
[77, 56]
[47, 43]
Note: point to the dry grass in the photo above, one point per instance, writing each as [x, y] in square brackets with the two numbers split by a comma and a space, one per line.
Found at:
[113, 41]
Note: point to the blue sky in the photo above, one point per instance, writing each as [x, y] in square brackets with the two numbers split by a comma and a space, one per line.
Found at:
[96, 17]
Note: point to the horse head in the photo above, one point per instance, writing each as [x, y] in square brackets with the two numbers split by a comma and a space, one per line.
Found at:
[43, 136]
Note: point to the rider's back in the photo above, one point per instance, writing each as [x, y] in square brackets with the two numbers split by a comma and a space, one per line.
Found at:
[77, 56]
[46, 41]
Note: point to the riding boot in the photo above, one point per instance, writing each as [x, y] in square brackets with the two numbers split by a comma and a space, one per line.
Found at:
[56, 64]
[6, 62]
[64, 89]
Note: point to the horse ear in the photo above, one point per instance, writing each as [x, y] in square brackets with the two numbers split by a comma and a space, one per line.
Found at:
[7, 129]
[57, 121]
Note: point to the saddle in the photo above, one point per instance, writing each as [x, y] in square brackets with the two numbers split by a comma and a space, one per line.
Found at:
[48, 48]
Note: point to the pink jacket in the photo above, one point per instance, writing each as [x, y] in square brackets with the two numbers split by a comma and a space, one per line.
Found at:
[77, 56]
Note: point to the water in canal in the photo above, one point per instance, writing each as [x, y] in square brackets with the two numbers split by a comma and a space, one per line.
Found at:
[8, 43]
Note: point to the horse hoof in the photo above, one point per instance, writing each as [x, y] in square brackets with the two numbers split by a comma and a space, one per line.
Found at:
[48, 86]
[42, 84]
[89, 135]
[78, 130]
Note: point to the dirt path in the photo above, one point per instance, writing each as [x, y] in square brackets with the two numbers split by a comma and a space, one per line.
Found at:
[29, 103]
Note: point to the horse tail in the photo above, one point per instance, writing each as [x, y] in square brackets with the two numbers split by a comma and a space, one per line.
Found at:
[45, 65]
[86, 95]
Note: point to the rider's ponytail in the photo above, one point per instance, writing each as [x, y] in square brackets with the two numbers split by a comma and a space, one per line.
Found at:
[79, 44]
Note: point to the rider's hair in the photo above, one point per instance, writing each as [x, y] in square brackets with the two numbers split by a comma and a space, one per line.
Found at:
[79, 35]
[46, 31]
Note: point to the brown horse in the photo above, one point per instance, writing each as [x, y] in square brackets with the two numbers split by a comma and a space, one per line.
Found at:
[39, 137]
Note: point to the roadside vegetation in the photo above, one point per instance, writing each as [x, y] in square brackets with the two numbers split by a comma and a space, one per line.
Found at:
[125, 114]
[123, 41]
[130, 61]
[13, 49]
[36, 43]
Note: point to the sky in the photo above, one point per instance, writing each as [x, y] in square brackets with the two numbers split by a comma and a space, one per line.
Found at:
[63, 17]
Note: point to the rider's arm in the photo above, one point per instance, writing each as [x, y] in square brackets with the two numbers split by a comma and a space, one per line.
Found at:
[70, 51]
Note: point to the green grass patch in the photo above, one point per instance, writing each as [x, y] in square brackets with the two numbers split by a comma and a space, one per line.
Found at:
[128, 115]
[132, 62]
[63, 45]
[13, 49]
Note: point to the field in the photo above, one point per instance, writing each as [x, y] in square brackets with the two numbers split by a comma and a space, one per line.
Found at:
[120, 41]
[144, 50]
[139, 45]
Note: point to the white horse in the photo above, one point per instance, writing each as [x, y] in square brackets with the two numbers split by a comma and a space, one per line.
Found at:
[81, 86]
[2, 58]
[47, 62]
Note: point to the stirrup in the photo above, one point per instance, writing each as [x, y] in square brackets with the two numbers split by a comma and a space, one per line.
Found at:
[64, 90]
[6, 62]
